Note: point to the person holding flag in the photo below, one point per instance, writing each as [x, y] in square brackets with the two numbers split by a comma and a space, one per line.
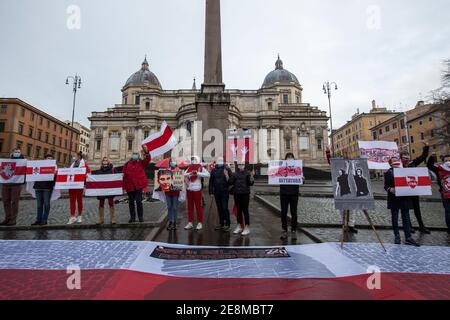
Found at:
[76, 195]
[135, 181]
[442, 171]
[193, 175]
[106, 168]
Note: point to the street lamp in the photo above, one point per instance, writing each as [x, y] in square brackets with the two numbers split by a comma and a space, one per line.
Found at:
[76, 85]
[327, 88]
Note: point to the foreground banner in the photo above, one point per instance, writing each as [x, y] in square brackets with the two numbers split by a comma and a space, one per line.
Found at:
[104, 185]
[41, 170]
[70, 178]
[378, 153]
[412, 182]
[285, 172]
[13, 170]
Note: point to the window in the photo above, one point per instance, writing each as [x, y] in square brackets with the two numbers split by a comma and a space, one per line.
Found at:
[147, 106]
[413, 151]
[422, 136]
[297, 99]
[67, 132]
[48, 124]
[432, 133]
[20, 129]
[130, 145]
[1, 145]
[285, 98]
[412, 139]
[98, 145]
[402, 124]
[39, 135]
[60, 142]
[410, 126]
[65, 144]
[65, 158]
[430, 119]
[54, 140]
[387, 128]
[394, 125]
[40, 120]
[269, 105]
[46, 137]
[31, 116]
[420, 122]
[54, 127]
[3, 109]
[380, 131]
[58, 156]
[146, 133]
[319, 144]
[60, 130]
[114, 141]
[304, 143]
[22, 113]
[2, 126]
[404, 140]
[29, 148]
[30, 132]
[37, 154]
[374, 135]
[137, 100]
[287, 144]
[45, 152]
[19, 144]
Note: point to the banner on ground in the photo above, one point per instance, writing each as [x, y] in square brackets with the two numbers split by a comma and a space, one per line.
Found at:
[169, 180]
[240, 146]
[41, 170]
[70, 178]
[351, 184]
[285, 172]
[412, 182]
[378, 153]
[13, 170]
[160, 142]
[98, 185]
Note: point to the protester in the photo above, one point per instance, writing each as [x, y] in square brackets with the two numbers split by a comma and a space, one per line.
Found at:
[134, 182]
[172, 200]
[241, 181]
[396, 204]
[289, 195]
[193, 175]
[76, 195]
[442, 171]
[44, 193]
[11, 196]
[218, 186]
[105, 168]
[407, 163]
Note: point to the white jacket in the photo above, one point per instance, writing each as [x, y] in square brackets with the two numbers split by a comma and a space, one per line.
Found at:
[197, 184]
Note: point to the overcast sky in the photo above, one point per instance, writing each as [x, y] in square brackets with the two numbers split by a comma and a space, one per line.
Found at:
[390, 51]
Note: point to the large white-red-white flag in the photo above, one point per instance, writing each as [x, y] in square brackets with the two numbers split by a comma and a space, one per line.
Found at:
[41, 170]
[412, 182]
[378, 153]
[160, 142]
[104, 185]
[70, 178]
[13, 170]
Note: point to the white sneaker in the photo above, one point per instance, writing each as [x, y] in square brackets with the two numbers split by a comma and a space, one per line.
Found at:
[72, 220]
[237, 230]
[199, 226]
[189, 226]
[80, 219]
[246, 231]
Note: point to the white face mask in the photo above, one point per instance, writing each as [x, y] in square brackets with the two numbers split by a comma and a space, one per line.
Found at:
[447, 164]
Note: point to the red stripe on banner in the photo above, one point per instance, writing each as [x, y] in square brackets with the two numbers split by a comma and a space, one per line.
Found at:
[104, 184]
[247, 146]
[77, 178]
[421, 182]
[160, 141]
[20, 171]
[42, 170]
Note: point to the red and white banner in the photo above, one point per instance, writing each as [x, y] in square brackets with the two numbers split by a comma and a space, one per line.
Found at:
[70, 178]
[378, 153]
[13, 170]
[240, 146]
[104, 185]
[160, 142]
[41, 170]
[412, 182]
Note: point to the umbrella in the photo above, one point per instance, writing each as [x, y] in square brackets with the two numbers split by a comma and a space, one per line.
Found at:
[183, 164]
[163, 163]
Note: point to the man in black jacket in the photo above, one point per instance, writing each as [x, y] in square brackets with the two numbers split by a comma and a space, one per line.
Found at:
[218, 186]
[289, 195]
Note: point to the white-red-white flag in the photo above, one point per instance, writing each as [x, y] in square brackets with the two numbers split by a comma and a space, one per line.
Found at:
[70, 178]
[41, 170]
[104, 185]
[13, 170]
[160, 142]
[412, 182]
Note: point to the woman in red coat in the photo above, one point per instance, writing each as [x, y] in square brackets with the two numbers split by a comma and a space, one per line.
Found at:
[134, 182]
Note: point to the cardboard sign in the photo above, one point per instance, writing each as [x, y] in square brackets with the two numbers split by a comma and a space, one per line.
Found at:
[412, 182]
[285, 172]
[378, 153]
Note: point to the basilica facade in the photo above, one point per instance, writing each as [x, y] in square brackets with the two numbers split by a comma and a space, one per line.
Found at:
[276, 113]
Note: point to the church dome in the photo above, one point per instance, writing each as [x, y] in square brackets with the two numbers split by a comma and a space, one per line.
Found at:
[280, 75]
[144, 77]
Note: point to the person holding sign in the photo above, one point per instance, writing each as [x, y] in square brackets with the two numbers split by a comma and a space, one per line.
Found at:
[398, 204]
[289, 195]
[134, 182]
[443, 173]
[76, 195]
[106, 168]
[172, 196]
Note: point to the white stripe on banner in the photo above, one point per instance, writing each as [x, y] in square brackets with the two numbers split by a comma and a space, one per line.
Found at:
[417, 191]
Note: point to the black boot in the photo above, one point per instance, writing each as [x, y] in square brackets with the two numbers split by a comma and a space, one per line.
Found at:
[424, 230]
[352, 230]
[411, 242]
[398, 240]
[169, 226]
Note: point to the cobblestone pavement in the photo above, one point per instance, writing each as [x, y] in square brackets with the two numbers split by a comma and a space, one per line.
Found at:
[322, 211]
[60, 213]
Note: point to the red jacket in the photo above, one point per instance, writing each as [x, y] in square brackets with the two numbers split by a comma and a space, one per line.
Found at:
[134, 177]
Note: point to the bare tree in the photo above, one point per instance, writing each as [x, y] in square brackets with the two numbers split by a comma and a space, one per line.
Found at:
[442, 95]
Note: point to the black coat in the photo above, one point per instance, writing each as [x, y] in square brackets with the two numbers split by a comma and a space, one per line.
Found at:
[217, 182]
[289, 190]
[394, 202]
[241, 182]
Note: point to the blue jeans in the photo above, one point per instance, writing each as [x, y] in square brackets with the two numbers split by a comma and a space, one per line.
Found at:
[172, 207]
[406, 221]
[446, 203]
[43, 205]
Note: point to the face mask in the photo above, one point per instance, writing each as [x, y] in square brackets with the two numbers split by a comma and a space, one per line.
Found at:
[134, 157]
[17, 154]
[290, 159]
[220, 164]
[396, 164]
[74, 158]
[173, 164]
[447, 164]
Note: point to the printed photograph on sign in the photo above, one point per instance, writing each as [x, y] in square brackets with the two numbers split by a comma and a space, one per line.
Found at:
[412, 182]
[378, 153]
[351, 184]
[168, 180]
[285, 172]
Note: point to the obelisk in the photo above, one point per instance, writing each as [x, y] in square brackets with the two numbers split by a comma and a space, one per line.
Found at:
[213, 103]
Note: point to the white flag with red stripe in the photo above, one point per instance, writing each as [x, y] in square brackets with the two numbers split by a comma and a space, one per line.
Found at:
[412, 182]
[160, 142]
[13, 170]
[104, 185]
[41, 170]
[70, 178]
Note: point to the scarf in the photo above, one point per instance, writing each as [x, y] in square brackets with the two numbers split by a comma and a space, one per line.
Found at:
[192, 168]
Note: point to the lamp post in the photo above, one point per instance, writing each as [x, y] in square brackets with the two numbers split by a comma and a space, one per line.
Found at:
[76, 85]
[327, 88]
